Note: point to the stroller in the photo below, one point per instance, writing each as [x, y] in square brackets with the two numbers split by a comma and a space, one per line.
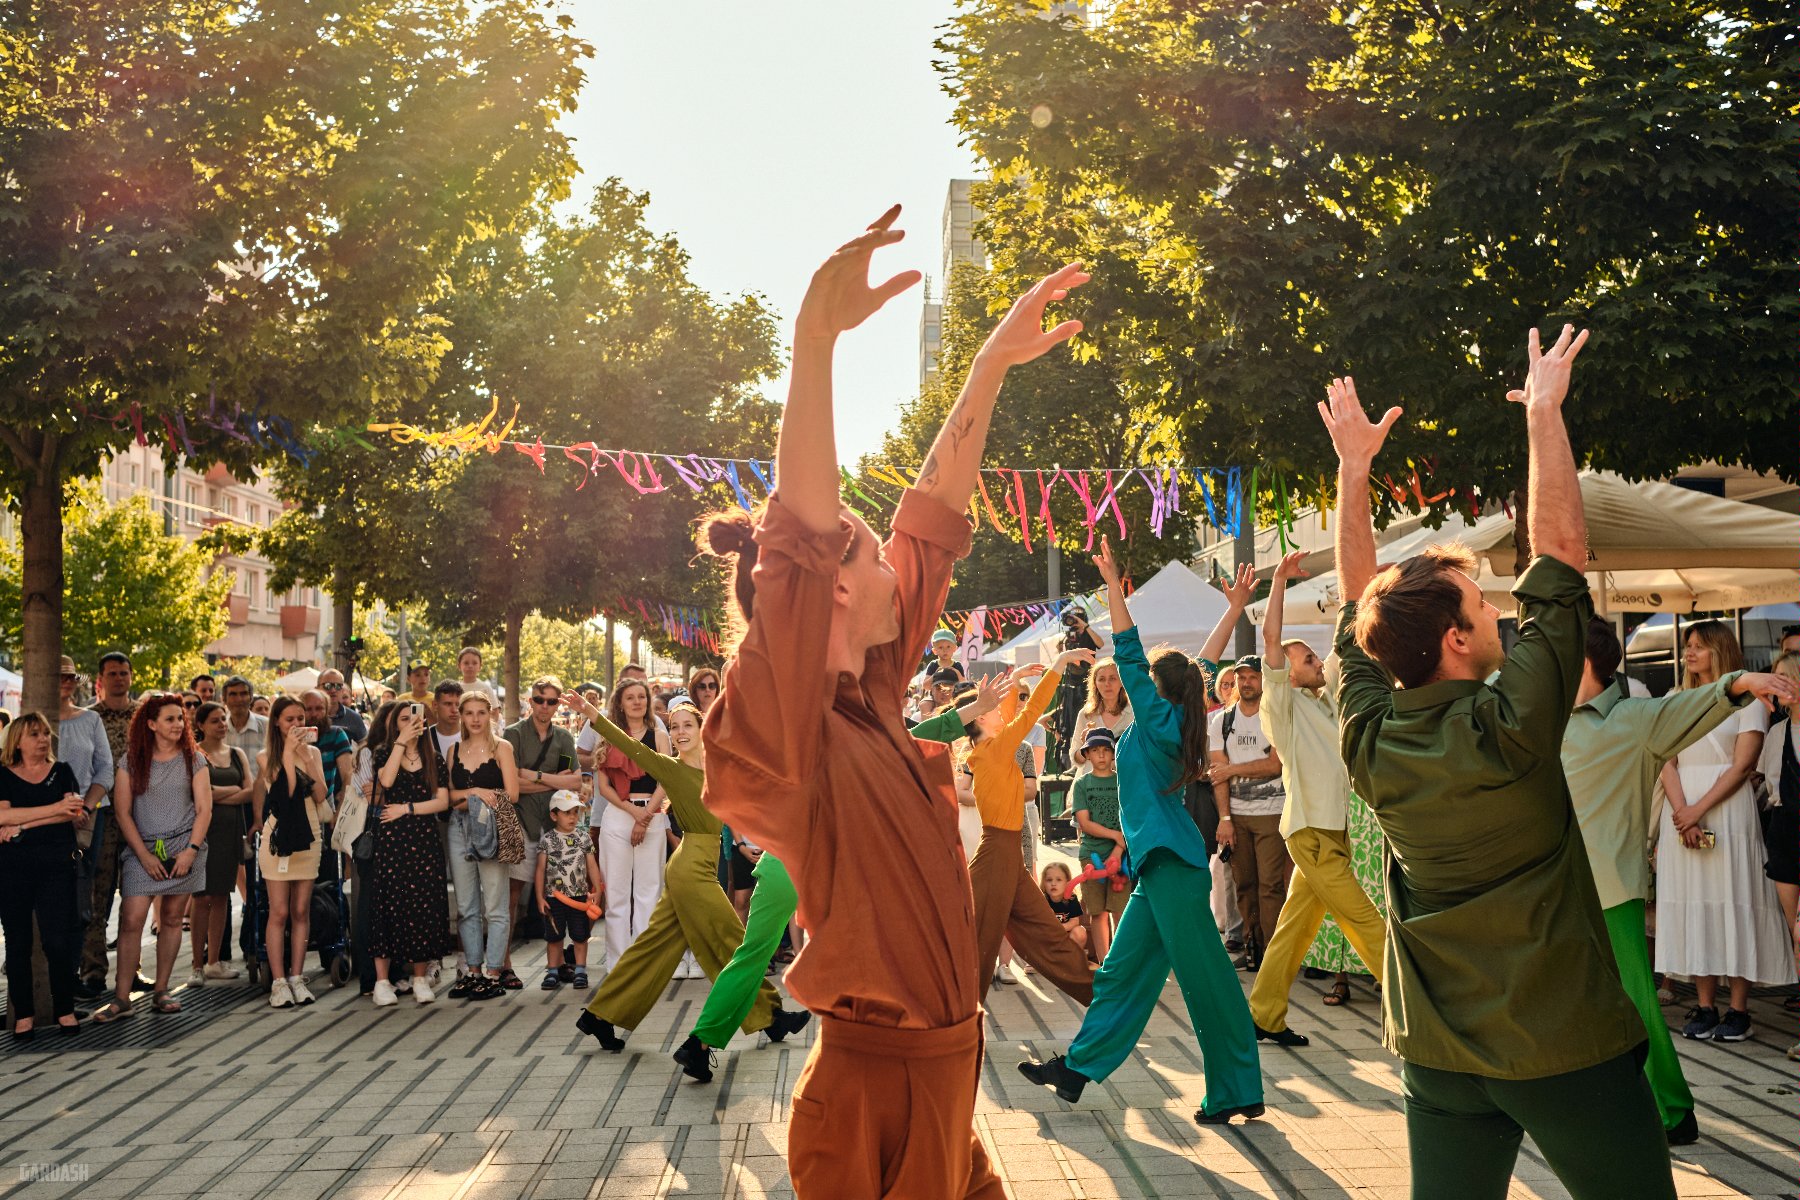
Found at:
[329, 933]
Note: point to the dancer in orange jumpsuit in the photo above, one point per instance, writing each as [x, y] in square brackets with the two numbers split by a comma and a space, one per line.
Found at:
[807, 755]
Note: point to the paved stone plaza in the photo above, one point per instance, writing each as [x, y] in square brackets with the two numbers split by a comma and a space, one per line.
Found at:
[505, 1101]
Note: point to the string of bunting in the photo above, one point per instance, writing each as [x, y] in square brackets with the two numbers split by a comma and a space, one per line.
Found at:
[1025, 494]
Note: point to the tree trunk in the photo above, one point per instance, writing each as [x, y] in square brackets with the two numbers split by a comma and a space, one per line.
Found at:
[41, 580]
[609, 669]
[509, 669]
[637, 641]
[1521, 532]
[343, 622]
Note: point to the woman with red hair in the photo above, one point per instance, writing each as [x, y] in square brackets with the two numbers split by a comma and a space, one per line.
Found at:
[162, 800]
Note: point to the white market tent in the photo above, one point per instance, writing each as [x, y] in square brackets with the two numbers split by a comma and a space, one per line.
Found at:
[1654, 547]
[306, 678]
[1174, 606]
[12, 691]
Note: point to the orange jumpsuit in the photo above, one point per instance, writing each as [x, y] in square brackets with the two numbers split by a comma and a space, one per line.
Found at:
[822, 772]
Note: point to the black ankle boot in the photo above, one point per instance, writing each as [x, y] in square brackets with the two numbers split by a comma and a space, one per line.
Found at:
[783, 1022]
[695, 1057]
[1223, 1117]
[1055, 1074]
[600, 1031]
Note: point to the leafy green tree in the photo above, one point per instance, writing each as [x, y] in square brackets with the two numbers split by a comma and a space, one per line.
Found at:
[1062, 409]
[205, 207]
[1270, 195]
[592, 327]
[130, 587]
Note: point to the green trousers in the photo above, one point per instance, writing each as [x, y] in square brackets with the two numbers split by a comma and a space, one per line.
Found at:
[1631, 949]
[734, 992]
[692, 914]
[1596, 1127]
[1168, 925]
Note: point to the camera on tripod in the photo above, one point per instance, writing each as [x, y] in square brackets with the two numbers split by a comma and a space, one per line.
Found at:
[352, 646]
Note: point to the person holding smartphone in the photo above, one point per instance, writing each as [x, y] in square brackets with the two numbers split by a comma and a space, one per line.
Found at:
[545, 753]
[288, 802]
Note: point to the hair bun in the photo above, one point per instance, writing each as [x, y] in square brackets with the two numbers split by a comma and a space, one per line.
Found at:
[728, 534]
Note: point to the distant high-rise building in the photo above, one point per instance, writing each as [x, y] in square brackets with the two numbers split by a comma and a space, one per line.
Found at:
[960, 245]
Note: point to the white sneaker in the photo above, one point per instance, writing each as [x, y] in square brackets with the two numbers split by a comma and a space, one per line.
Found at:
[221, 970]
[302, 995]
[422, 991]
[281, 995]
[404, 986]
[198, 978]
[384, 994]
[433, 973]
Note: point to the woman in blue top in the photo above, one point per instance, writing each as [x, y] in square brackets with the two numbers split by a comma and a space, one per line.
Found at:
[1162, 752]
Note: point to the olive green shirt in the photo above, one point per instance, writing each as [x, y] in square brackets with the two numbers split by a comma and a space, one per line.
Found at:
[1614, 746]
[1498, 961]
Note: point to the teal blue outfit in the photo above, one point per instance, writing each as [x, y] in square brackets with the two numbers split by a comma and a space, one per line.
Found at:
[1168, 920]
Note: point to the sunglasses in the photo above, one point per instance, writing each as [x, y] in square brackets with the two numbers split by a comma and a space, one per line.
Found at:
[190, 704]
[706, 686]
[546, 700]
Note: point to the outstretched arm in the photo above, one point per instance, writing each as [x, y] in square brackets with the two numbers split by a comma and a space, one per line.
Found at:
[1289, 568]
[1237, 596]
[838, 299]
[1357, 441]
[1555, 521]
[950, 468]
[1115, 593]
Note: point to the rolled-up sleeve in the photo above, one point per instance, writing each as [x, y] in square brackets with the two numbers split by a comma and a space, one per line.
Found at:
[1540, 676]
[928, 538]
[769, 720]
[1365, 690]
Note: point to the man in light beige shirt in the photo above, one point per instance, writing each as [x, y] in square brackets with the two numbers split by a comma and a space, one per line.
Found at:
[1301, 722]
[1612, 750]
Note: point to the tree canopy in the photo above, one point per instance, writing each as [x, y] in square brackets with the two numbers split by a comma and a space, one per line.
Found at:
[223, 221]
[1271, 195]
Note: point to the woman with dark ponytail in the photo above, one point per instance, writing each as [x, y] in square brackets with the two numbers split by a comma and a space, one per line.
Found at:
[1162, 752]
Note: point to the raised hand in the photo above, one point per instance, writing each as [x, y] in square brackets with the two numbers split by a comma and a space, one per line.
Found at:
[1353, 435]
[1028, 671]
[1081, 654]
[1776, 691]
[1021, 336]
[1106, 563]
[1547, 378]
[839, 297]
[1242, 589]
[1289, 567]
[988, 691]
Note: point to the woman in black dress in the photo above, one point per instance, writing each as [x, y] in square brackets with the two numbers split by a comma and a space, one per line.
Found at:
[40, 805]
[233, 784]
[410, 921]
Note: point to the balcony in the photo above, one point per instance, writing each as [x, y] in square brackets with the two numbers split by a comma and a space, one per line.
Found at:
[299, 620]
[237, 609]
[219, 475]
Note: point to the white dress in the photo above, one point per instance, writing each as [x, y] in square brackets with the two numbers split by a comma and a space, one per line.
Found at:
[1716, 912]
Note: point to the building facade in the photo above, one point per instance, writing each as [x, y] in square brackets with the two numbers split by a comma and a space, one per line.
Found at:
[959, 245]
[264, 623]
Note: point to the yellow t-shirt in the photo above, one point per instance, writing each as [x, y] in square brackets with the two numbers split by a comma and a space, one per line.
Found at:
[999, 785]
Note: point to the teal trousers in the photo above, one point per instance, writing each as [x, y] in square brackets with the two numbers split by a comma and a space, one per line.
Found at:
[1631, 949]
[734, 991]
[1596, 1127]
[1168, 925]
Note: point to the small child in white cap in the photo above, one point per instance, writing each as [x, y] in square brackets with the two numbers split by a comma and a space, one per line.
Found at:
[568, 881]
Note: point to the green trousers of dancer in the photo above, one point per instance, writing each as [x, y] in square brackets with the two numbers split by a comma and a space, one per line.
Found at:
[1168, 925]
[735, 991]
[1592, 1126]
[1631, 949]
[693, 914]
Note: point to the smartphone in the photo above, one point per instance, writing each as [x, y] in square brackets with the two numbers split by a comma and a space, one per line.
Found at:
[416, 709]
[307, 735]
[1708, 839]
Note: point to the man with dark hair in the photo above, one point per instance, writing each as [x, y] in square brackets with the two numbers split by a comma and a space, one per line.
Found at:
[205, 687]
[1611, 753]
[243, 728]
[113, 702]
[1245, 770]
[1502, 998]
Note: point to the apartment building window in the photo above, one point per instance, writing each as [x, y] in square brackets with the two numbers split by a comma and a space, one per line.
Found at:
[134, 474]
[271, 601]
[191, 497]
[242, 583]
[256, 514]
[231, 506]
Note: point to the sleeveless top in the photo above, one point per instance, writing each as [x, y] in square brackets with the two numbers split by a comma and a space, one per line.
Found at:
[228, 776]
[290, 810]
[487, 775]
[644, 785]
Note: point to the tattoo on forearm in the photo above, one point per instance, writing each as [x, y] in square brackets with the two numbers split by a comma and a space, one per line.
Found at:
[957, 428]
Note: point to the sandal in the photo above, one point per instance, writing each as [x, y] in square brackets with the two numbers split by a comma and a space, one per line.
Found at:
[1338, 994]
[509, 981]
[113, 1010]
[162, 1002]
[1791, 1004]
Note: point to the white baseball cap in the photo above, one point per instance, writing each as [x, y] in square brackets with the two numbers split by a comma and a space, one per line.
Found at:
[565, 799]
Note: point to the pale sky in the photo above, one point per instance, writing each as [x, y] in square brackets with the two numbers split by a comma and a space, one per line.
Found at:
[767, 134]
